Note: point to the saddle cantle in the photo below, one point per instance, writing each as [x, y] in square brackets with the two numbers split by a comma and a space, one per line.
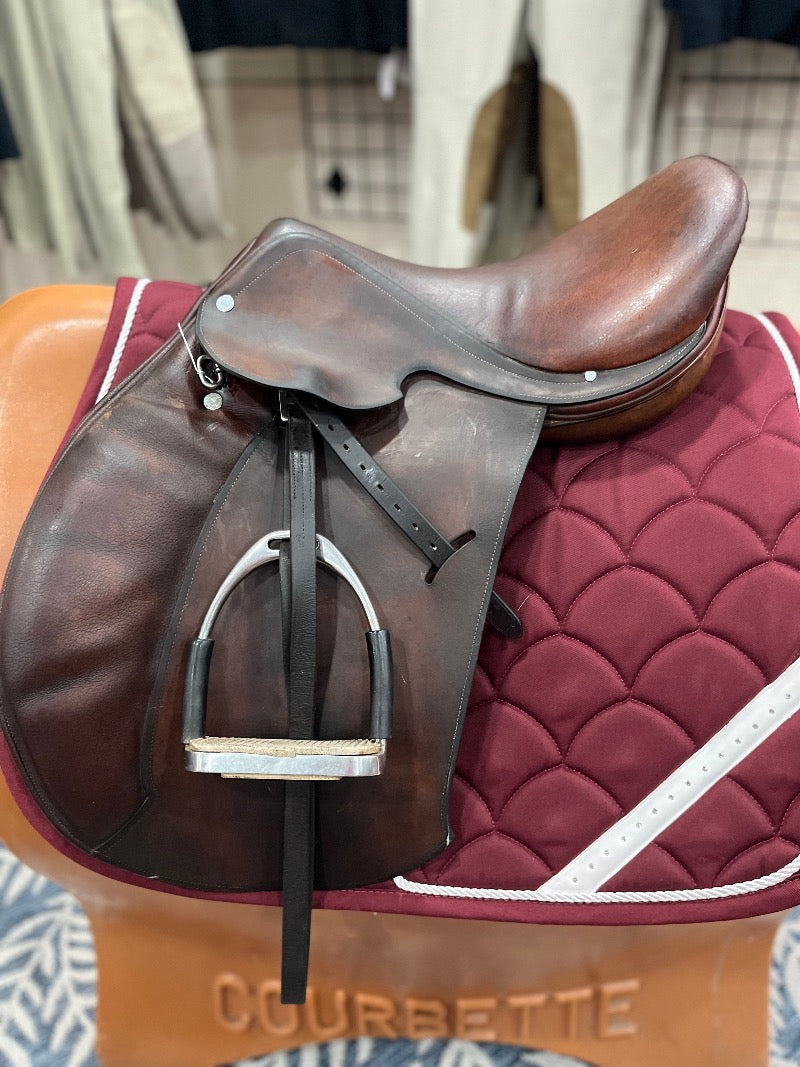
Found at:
[190, 509]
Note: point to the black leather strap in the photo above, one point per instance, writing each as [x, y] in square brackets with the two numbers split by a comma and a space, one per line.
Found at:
[303, 571]
[391, 498]
[365, 468]
[299, 806]
[298, 882]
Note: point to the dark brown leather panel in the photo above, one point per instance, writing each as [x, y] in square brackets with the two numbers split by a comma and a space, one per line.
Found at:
[366, 828]
[88, 593]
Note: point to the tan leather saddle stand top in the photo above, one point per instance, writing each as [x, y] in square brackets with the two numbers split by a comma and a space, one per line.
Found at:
[190, 509]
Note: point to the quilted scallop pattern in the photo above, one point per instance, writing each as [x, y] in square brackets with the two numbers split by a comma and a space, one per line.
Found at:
[658, 580]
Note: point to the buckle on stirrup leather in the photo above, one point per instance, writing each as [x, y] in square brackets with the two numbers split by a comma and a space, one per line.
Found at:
[262, 757]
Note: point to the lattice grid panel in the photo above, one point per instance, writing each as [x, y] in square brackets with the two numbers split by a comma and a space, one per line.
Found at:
[356, 143]
[741, 103]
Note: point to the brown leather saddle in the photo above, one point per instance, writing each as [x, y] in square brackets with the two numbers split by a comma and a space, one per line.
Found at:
[329, 447]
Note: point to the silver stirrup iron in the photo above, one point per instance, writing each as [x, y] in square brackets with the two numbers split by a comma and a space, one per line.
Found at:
[267, 757]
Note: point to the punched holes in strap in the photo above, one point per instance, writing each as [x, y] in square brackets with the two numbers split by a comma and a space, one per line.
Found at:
[280, 757]
[363, 466]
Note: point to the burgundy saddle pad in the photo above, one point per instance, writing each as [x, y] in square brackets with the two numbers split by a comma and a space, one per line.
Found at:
[628, 759]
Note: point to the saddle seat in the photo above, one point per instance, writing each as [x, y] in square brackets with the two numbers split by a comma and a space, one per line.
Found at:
[629, 282]
[641, 282]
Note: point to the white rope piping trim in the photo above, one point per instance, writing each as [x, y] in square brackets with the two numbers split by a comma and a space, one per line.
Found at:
[122, 340]
[784, 350]
[580, 880]
[656, 896]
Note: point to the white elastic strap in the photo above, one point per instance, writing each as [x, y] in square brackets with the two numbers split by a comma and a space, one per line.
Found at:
[122, 340]
[739, 738]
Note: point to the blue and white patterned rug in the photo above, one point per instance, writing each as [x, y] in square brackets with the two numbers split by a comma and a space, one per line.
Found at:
[48, 978]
